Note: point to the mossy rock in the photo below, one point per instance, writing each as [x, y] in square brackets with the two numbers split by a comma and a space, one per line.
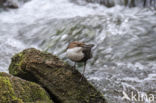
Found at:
[16, 90]
[55, 76]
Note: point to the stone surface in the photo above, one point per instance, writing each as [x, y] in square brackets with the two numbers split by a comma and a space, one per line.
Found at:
[55, 76]
[16, 90]
[9, 4]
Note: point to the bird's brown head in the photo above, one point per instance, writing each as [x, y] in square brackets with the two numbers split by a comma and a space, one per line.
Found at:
[75, 44]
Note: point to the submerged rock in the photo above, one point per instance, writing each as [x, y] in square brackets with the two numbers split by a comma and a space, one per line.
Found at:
[9, 4]
[16, 90]
[55, 76]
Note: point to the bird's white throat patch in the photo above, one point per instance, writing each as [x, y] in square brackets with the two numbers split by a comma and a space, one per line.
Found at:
[75, 54]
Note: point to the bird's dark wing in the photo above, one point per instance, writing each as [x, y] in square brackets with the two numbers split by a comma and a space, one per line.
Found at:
[87, 52]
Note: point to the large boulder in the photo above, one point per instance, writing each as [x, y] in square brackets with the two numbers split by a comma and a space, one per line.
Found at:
[55, 76]
[16, 90]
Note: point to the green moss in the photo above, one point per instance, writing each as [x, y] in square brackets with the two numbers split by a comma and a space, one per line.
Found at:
[7, 94]
[15, 90]
[12, 68]
[39, 93]
[30, 92]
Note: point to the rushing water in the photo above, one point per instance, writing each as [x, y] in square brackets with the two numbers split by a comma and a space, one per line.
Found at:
[128, 3]
[124, 58]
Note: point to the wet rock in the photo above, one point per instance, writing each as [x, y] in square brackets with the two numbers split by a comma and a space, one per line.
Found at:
[9, 4]
[1, 2]
[55, 76]
[16, 90]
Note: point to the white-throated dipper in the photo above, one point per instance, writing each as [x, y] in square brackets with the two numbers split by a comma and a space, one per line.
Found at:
[79, 52]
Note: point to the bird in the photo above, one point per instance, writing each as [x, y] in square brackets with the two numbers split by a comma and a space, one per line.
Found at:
[79, 52]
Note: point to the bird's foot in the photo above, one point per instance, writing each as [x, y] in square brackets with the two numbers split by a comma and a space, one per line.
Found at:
[82, 77]
[74, 71]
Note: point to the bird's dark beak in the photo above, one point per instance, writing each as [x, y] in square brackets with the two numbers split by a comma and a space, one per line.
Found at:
[88, 46]
[91, 45]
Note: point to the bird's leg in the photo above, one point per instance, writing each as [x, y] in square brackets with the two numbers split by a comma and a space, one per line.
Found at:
[74, 67]
[83, 71]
